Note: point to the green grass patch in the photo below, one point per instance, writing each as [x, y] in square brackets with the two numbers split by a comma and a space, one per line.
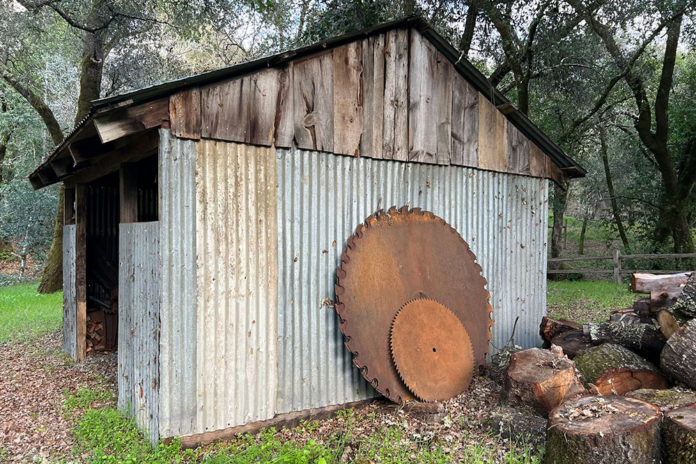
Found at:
[84, 399]
[586, 301]
[24, 313]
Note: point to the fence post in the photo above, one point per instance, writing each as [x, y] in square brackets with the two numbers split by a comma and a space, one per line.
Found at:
[617, 266]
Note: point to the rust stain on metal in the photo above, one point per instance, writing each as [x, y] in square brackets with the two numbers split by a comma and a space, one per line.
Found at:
[431, 350]
[392, 258]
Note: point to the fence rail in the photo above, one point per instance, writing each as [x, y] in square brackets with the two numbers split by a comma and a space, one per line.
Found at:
[616, 258]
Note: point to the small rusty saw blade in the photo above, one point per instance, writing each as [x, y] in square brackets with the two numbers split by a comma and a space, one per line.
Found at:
[392, 258]
[431, 350]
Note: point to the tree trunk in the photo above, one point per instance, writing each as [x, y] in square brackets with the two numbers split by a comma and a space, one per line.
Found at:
[644, 339]
[469, 28]
[540, 379]
[573, 343]
[678, 355]
[679, 436]
[594, 429]
[560, 200]
[52, 275]
[581, 245]
[610, 188]
[91, 70]
[616, 370]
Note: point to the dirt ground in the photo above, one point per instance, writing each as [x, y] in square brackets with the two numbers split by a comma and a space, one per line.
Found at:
[35, 378]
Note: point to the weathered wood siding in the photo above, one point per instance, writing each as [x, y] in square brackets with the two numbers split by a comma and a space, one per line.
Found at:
[389, 96]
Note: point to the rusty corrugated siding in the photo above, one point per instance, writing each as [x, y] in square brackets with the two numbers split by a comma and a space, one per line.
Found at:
[139, 324]
[69, 300]
[178, 370]
[236, 240]
[321, 200]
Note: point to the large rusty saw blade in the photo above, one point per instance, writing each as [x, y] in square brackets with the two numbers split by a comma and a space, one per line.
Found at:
[392, 258]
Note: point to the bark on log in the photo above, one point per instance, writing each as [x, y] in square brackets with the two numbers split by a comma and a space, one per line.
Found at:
[646, 283]
[665, 298]
[644, 339]
[678, 357]
[610, 429]
[679, 436]
[641, 306]
[667, 322]
[616, 370]
[550, 328]
[573, 343]
[685, 305]
[518, 425]
[540, 379]
[666, 400]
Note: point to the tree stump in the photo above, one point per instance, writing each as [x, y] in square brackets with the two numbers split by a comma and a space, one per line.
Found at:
[616, 370]
[541, 380]
[668, 323]
[679, 436]
[666, 400]
[645, 339]
[678, 357]
[597, 429]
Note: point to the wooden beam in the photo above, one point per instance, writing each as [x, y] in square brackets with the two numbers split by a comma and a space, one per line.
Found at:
[81, 271]
[128, 121]
[128, 193]
[185, 113]
[62, 166]
[69, 206]
[47, 175]
[138, 147]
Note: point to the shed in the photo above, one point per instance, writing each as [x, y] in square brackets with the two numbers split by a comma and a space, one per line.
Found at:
[205, 217]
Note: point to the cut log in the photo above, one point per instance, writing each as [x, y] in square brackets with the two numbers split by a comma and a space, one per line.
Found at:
[641, 306]
[685, 304]
[644, 339]
[646, 283]
[678, 357]
[549, 328]
[660, 299]
[496, 370]
[666, 400]
[667, 322]
[573, 343]
[625, 316]
[540, 379]
[616, 370]
[611, 429]
[679, 436]
[515, 424]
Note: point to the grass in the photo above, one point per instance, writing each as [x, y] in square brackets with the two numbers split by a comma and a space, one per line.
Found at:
[107, 436]
[25, 313]
[586, 301]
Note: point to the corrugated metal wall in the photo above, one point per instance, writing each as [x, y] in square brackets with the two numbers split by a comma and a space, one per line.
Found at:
[138, 322]
[321, 200]
[178, 397]
[236, 259]
[69, 300]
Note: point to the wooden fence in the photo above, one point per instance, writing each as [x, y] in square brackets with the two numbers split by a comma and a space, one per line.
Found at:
[616, 260]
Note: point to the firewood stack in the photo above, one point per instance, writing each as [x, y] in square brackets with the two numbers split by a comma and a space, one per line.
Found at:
[96, 334]
[582, 383]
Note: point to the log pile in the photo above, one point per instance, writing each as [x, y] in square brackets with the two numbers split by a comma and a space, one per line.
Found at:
[605, 387]
[96, 333]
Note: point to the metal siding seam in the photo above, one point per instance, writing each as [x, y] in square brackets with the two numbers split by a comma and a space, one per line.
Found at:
[178, 285]
[237, 279]
[69, 297]
[312, 345]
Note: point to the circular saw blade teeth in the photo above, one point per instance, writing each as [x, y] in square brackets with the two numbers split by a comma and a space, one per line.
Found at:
[351, 274]
[404, 380]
